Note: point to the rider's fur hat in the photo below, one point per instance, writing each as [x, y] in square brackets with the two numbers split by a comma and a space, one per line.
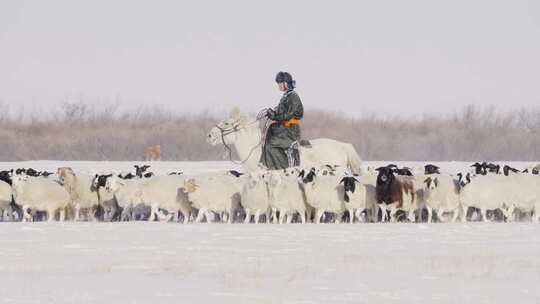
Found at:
[287, 78]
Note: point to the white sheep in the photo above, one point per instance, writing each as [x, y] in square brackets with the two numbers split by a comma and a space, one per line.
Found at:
[354, 195]
[441, 194]
[80, 188]
[523, 192]
[216, 193]
[106, 199]
[5, 201]
[163, 192]
[40, 194]
[364, 200]
[489, 192]
[255, 198]
[322, 194]
[127, 193]
[372, 208]
[285, 195]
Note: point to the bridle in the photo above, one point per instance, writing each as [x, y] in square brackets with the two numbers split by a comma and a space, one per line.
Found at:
[237, 127]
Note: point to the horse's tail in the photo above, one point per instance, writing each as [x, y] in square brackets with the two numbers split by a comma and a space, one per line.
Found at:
[353, 159]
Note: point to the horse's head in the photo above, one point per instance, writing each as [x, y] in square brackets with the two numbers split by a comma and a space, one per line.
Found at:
[225, 131]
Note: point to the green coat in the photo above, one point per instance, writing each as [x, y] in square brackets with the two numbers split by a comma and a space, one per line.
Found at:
[279, 137]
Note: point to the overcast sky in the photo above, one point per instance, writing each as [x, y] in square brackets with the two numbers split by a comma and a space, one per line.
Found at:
[350, 56]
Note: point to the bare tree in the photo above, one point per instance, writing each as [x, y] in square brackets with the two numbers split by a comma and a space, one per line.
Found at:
[80, 131]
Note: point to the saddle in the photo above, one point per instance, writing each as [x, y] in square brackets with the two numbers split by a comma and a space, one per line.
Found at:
[300, 143]
[305, 143]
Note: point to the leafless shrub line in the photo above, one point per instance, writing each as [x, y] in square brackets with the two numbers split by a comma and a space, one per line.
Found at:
[82, 131]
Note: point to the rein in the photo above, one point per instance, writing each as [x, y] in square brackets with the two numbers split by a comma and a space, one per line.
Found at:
[224, 132]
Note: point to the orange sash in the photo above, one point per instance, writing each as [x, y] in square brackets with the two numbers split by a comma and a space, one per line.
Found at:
[290, 122]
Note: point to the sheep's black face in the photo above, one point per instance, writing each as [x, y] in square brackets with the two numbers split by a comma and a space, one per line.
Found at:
[309, 177]
[507, 169]
[102, 180]
[31, 172]
[404, 171]
[6, 177]
[349, 183]
[386, 176]
[127, 176]
[139, 170]
[492, 168]
[464, 181]
[431, 169]
[20, 171]
[348, 186]
[480, 169]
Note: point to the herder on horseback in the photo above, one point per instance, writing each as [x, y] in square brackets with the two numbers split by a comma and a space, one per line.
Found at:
[280, 149]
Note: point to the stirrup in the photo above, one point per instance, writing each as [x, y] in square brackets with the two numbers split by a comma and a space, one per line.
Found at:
[290, 154]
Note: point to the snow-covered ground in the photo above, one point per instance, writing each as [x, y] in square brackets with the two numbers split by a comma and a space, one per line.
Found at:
[140, 262]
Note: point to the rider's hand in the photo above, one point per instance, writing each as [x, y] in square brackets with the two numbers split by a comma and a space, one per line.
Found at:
[270, 113]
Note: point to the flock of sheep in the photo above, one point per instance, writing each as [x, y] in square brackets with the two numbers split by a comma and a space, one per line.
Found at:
[303, 195]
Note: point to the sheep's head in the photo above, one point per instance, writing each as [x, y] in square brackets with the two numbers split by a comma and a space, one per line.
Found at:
[6, 176]
[64, 173]
[431, 169]
[254, 178]
[309, 177]
[349, 185]
[113, 183]
[100, 181]
[291, 172]
[327, 170]
[139, 170]
[191, 185]
[18, 181]
[431, 183]
[385, 176]
[272, 178]
[464, 181]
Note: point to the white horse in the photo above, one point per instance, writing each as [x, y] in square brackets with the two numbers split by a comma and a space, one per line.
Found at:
[244, 135]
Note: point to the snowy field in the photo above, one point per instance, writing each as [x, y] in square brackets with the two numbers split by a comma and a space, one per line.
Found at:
[140, 262]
